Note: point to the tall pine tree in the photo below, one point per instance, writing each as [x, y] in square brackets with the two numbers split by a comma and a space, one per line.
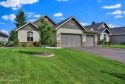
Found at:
[20, 19]
[93, 23]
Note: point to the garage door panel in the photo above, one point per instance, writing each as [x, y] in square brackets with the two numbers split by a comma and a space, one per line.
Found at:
[71, 40]
[90, 40]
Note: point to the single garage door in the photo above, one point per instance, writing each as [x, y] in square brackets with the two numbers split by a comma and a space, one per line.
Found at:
[71, 40]
[90, 40]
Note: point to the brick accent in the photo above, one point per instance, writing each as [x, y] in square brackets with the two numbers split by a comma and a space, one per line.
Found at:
[83, 44]
[27, 43]
[96, 43]
[57, 44]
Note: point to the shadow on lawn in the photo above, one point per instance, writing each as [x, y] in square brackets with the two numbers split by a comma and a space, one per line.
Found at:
[28, 52]
[118, 75]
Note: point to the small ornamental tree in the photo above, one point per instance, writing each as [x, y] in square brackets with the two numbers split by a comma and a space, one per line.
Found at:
[45, 31]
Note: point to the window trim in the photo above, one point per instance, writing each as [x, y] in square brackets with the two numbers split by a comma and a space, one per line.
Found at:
[29, 36]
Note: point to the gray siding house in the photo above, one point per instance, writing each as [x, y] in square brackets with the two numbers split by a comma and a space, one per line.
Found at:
[3, 37]
[68, 33]
[103, 29]
[118, 35]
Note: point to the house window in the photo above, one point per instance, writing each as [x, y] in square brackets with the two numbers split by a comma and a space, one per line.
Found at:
[73, 22]
[104, 37]
[30, 36]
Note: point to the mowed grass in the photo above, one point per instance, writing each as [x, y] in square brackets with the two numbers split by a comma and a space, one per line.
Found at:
[19, 66]
[115, 46]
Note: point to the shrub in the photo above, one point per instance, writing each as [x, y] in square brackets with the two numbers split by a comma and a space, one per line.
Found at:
[101, 42]
[109, 43]
[16, 42]
[36, 44]
[24, 45]
[1, 43]
[9, 44]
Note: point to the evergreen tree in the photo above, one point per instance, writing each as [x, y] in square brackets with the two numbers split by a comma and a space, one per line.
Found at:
[20, 19]
[93, 23]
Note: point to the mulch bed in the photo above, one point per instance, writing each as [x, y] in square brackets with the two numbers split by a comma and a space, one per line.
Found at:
[44, 54]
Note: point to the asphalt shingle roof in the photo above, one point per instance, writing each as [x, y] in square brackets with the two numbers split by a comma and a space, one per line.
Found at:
[3, 34]
[95, 27]
[58, 24]
[117, 30]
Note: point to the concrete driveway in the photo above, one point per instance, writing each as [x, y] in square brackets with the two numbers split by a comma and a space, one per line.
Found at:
[111, 53]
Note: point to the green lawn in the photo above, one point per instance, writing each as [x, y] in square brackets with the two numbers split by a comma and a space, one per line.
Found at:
[115, 46]
[18, 65]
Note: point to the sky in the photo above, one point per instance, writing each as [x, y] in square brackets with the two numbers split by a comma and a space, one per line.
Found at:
[111, 12]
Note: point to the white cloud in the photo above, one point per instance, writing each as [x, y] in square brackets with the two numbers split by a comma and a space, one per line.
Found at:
[16, 4]
[84, 24]
[123, 12]
[32, 20]
[118, 16]
[112, 7]
[9, 17]
[58, 15]
[29, 14]
[4, 31]
[61, 18]
[62, 0]
[2, 23]
[37, 16]
[112, 25]
[117, 12]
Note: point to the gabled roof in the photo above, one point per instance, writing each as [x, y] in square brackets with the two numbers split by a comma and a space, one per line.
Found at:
[3, 34]
[96, 27]
[65, 21]
[117, 30]
[43, 17]
[26, 25]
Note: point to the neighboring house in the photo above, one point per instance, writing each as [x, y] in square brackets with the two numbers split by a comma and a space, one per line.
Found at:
[103, 29]
[118, 35]
[3, 37]
[68, 33]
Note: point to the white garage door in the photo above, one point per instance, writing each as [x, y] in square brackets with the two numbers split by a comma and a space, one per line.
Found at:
[71, 40]
[90, 40]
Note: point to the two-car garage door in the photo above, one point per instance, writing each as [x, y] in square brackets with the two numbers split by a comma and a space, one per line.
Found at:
[71, 40]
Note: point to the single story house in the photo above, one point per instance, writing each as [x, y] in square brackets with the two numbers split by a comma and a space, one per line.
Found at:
[117, 35]
[3, 37]
[68, 33]
[103, 29]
